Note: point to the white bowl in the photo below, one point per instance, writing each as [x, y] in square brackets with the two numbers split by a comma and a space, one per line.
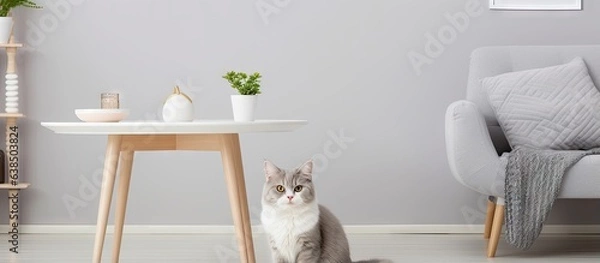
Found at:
[101, 115]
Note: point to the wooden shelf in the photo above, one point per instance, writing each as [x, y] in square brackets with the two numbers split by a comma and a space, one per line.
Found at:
[11, 45]
[11, 49]
[13, 187]
[11, 115]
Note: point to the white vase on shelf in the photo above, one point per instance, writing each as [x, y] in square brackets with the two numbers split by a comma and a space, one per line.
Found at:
[6, 25]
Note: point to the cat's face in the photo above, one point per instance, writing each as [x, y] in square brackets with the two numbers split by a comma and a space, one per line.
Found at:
[288, 188]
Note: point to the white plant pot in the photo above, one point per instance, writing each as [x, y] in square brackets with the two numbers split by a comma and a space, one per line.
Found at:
[243, 107]
[6, 24]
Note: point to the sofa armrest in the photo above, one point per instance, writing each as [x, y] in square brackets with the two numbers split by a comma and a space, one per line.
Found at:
[473, 160]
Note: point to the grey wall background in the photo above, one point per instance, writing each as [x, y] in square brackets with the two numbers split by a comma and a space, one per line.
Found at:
[342, 65]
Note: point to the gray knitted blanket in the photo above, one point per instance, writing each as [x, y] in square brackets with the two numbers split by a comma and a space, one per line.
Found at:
[532, 183]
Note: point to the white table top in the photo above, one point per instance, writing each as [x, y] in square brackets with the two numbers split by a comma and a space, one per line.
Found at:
[159, 127]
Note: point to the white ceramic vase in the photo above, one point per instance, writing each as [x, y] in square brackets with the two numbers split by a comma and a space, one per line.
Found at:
[243, 107]
[178, 107]
[6, 24]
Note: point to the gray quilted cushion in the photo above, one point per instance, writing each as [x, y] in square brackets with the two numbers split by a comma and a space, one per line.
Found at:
[555, 107]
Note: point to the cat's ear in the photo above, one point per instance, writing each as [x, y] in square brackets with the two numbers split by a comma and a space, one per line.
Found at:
[307, 169]
[270, 169]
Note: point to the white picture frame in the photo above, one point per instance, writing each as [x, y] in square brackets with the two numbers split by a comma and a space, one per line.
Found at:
[536, 5]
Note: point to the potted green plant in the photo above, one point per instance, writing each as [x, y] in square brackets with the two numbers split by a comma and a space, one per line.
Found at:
[6, 22]
[248, 88]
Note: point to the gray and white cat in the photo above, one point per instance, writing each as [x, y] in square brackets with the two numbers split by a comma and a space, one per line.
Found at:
[299, 229]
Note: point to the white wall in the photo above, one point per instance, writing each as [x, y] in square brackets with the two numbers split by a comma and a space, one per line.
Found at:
[342, 65]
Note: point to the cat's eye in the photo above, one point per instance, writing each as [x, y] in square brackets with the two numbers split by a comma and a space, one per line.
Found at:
[298, 188]
[280, 188]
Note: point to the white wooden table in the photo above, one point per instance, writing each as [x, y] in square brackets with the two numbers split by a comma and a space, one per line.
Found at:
[125, 138]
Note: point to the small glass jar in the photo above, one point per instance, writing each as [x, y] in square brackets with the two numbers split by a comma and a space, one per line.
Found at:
[109, 100]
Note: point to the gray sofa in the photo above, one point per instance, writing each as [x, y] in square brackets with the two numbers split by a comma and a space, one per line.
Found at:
[474, 139]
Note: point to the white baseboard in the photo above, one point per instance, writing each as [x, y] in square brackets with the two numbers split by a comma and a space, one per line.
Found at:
[351, 229]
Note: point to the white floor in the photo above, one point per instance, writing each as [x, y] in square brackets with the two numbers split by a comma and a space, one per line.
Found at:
[137, 248]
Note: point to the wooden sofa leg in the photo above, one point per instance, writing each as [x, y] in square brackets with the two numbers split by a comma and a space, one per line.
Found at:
[496, 230]
[489, 218]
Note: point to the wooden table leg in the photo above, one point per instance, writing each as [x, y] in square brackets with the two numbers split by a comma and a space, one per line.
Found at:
[244, 202]
[125, 163]
[236, 185]
[111, 162]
